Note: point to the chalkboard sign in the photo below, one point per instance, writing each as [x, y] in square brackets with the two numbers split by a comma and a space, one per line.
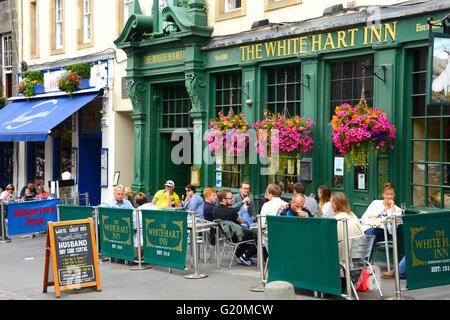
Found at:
[72, 253]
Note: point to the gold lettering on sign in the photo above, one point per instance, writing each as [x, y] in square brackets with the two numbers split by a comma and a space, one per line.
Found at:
[174, 56]
[342, 39]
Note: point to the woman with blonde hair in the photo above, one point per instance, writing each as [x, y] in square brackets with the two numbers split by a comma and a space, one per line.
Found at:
[341, 208]
[377, 212]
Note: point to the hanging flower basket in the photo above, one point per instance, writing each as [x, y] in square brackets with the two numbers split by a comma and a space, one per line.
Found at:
[228, 134]
[359, 128]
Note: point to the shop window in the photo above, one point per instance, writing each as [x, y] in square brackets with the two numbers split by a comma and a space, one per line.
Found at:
[229, 9]
[228, 93]
[6, 164]
[37, 159]
[175, 108]
[430, 165]
[277, 4]
[63, 133]
[346, 87]
[84, 33]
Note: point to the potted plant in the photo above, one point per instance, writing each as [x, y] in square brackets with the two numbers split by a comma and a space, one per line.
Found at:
[2, 101]
[33, 80]
[83, 70]
[359, 128]
[69, 82]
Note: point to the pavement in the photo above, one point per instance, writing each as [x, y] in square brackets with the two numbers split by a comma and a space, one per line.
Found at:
[22, 270]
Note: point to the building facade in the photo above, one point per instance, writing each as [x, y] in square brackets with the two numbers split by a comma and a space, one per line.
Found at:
[182, 72]
[95, 140]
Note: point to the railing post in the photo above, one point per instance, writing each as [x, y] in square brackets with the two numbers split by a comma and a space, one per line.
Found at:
[195, 275]
[138, 214]
[261, 282]
[2, 221]
[347, 259]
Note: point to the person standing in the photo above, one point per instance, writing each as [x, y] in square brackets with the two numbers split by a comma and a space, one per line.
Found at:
[167, 197]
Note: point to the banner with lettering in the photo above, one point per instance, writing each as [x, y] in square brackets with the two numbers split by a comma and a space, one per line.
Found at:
[31, 216]
[165, 237]
[116, 233]
[426, 238]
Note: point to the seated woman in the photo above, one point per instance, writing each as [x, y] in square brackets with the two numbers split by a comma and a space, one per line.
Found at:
[324, 194]
[377, 212]
[341, 208]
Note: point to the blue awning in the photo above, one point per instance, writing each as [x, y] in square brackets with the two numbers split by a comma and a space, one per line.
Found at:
[32, 120]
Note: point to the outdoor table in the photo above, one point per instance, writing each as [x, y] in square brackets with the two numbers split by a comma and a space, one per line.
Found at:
[206, 226]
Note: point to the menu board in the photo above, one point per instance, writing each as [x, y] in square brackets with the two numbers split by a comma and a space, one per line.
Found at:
[72, 250]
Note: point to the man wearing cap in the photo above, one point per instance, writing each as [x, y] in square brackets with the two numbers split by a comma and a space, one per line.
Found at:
[167, 197]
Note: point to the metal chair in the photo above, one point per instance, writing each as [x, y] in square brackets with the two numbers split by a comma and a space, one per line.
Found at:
[228, 243]
[359, 260]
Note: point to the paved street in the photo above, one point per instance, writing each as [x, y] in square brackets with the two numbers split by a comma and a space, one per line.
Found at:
[22, 270]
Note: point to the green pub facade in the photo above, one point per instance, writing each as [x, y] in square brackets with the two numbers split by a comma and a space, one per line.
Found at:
[179, 77]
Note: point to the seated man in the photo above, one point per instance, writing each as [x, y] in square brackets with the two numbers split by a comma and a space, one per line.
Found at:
[166, 198]
[210, 196]
[225, 211]
[295, 208]
[310, 203]
[118, 201]
[245, 205]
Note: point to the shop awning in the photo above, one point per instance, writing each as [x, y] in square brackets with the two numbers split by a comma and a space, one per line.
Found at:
[32, 120]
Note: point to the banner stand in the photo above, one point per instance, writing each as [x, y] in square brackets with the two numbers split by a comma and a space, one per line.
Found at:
[398, 291]
[4, 239]
[195, 275]
[261, 283]
[138, 215]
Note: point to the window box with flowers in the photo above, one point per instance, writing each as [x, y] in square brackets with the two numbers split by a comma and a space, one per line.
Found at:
[359, 128]
[83, 70]
[69, 82]
[31, 84]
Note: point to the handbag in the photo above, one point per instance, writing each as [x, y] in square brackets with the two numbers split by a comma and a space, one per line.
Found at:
[364, 282]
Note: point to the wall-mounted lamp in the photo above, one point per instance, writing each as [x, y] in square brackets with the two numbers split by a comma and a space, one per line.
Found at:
[301, 82]
[249, 101]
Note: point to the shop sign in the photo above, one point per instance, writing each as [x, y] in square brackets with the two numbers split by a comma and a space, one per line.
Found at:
[439, 91]
[323, 42]
[172, 56]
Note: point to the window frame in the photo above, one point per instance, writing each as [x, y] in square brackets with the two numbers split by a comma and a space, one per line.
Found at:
[274, 5]
[54, 48]
[33, 7]
[82, 42]
[221, 14]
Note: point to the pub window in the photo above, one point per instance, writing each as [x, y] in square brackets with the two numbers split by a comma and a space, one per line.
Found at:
[283, 96]
[228, 93]
[175, 108]
[430, 166]
[346, 87]
[228, 9]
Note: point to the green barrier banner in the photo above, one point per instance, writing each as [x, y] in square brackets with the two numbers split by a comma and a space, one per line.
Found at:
[304, 252]
[165, 237]
[67, 213]
[426, 238]
[116, 233]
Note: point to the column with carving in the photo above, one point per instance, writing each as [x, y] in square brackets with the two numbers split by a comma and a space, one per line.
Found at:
[137, 93]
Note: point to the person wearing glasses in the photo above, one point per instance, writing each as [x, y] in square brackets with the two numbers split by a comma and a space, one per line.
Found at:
[193, 202]
[226, 211]
[245, 205]
[9, 194]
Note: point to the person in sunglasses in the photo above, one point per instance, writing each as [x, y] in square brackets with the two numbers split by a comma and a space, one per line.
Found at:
[193, 202]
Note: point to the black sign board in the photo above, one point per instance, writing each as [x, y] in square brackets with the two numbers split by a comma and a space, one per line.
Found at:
[72, 252]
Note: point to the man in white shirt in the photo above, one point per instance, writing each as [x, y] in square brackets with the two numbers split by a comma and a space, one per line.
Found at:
[271, 207]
